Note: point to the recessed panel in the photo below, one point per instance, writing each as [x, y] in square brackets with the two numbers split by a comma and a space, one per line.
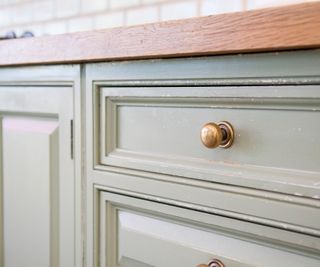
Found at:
[38, 186]
[30, 187]
[262, 137]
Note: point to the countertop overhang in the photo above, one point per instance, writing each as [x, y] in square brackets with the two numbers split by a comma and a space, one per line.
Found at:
[271, 29]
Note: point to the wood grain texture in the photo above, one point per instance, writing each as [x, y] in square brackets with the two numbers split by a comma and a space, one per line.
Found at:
[271, 29]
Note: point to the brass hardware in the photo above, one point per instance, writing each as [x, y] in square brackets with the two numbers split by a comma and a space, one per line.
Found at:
[212, 263]
[215, 263]
[214, 135]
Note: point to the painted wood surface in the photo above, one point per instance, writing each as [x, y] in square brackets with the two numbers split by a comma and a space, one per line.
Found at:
[272, 29]
[38, 178]
[148, 116]
[280, 220]
[30, 165]
[138, 172]
[150, 234]
[158, 129]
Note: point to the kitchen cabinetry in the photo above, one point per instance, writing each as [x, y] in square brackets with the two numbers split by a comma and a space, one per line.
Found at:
[154, 195]
[40, 204]
[106, 164]
[157, 196]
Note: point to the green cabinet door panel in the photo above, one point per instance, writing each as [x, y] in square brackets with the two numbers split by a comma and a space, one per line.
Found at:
[38, 178]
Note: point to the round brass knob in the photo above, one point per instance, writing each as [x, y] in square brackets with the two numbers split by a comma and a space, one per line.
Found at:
[212, 263]
[217, 135]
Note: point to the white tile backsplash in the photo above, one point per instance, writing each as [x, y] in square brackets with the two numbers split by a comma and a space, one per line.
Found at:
[59, 16]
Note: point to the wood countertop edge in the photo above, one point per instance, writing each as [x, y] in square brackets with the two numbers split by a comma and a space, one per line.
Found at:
[271, 29]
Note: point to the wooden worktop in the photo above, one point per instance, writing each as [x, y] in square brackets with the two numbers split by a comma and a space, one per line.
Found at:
[271, 29]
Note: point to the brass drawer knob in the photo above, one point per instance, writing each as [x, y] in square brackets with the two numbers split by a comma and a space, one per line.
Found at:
[217, 135]
[212, 263]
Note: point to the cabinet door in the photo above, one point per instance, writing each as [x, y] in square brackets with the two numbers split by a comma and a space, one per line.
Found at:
[37, 176]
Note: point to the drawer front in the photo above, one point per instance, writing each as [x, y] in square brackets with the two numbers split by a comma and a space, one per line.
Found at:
[157, 129]
[142, 233]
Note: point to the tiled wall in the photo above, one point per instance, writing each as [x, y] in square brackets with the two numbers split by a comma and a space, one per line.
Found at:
[45, 17]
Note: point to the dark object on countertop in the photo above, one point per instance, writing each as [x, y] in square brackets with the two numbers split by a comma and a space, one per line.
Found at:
[13, 35]
[27, 34]
[9, 35]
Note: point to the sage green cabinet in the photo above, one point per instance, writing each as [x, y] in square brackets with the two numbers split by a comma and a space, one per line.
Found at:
[102, 164]
[157, 197]
[38, 176]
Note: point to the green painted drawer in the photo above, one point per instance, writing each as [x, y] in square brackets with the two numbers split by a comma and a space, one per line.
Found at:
[143, 233]
[158, 130]
[147, 116]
